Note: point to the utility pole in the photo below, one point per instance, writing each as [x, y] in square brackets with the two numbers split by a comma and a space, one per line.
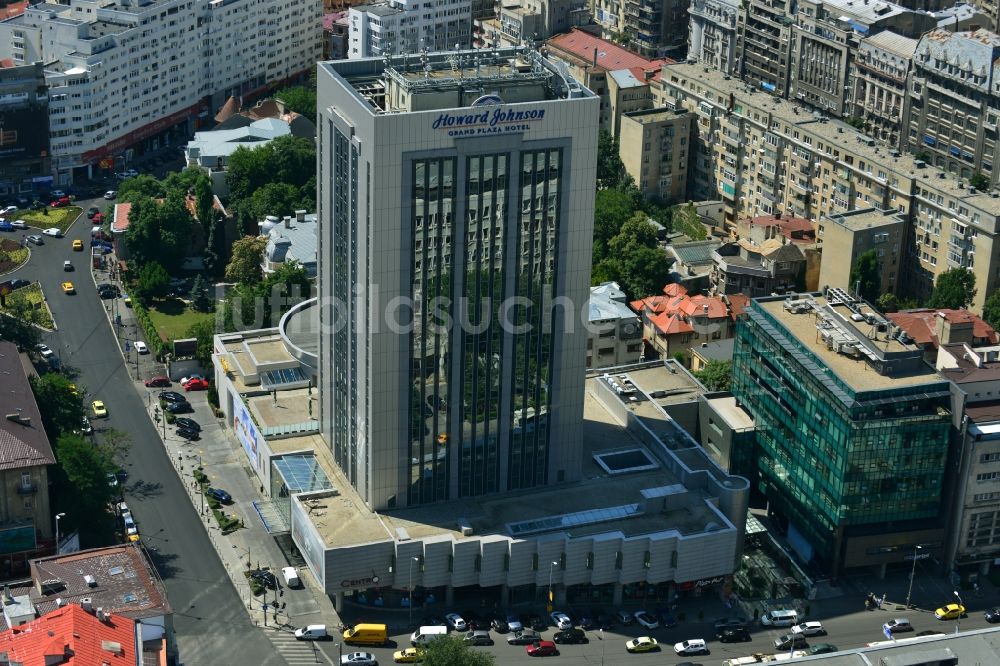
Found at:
[913, 573]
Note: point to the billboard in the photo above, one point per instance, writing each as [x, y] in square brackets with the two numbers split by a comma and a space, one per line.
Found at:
[246, 432]
[21, 135]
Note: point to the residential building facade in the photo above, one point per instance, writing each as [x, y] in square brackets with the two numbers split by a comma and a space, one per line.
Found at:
[654, 146]
[764, 45]
[712, 33]
[878, 76]
[846, 236]
[852, 429]
[744, 267]
[109, 94]
[529, 22]
[484, 410]
[408, 27]
[676, 322]
[652, 28]
[615, 333]
[24, 132]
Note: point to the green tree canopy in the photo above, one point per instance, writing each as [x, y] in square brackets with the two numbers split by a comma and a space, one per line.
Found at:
[205, 203]
[140, 187]
[263, 304]
[300, 99]
[181, 183]
[244, 263]
[62, 408]
[451, 650]
[955, 289]
[277, 199]
[634, 259]
[888, 303]
[204, 332]
[153, 282]
[201, 299]
[716, 375]
[610, 169]
[612, 208]
[287, 159]
[86, 468]
[866, 276]
[18, 323]
[980, 181]
[991, 309]
[159, 232]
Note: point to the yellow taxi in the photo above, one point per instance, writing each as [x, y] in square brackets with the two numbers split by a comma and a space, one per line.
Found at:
[98, 408]
[408, 656]
[950, 612]
[642, 644]
[68, 288]
[78, 245]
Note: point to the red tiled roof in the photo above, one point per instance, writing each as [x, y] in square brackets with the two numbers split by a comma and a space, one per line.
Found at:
[737, 304]
[12, 10]
[672, 312]
[795, 229]
[610, 56]
[119, 222]
[921, 324]
[670, 324]
[699, 305]
[675, 289]
[71, 635]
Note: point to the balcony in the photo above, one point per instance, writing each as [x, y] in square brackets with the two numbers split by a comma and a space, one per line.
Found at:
[29, 488]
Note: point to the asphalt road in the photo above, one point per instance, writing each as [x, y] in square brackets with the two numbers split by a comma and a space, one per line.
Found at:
[210, 623]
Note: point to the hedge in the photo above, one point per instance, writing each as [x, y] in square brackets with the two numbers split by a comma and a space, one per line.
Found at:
[152, 335]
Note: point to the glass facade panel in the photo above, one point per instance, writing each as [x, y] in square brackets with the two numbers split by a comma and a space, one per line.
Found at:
[828, 457]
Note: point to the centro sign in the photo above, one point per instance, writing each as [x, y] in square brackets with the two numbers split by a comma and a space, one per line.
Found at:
[496, 120]
[359, 582]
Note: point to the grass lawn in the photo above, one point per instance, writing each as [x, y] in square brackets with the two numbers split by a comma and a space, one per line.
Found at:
[50, 217]
[33, 293]
[173, 317]
[12, 255]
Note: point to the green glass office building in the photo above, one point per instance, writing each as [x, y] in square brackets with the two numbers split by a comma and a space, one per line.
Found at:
[852, 428]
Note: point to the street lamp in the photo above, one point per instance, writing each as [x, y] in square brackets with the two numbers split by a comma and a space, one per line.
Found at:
[913, 574]
[409, 592]
[58, 517]
[958, 620]
[604, 646]
[551, 568]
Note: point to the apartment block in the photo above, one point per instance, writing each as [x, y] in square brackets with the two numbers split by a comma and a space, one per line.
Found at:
[528, 21]
[24, 137]
[852, 429]
[652, 28]
[747, 268]
[846, 236]
[712, 33]
[764, 44]
[109, 92]
[954, 102]
[878, 79]
[408, 27]
[615, 333]
[826, 40]
[654, 146]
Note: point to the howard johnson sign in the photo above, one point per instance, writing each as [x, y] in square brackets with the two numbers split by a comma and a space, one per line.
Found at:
[493, 120]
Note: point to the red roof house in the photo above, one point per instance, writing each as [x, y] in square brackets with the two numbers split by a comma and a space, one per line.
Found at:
[72, 635]
[676, 321]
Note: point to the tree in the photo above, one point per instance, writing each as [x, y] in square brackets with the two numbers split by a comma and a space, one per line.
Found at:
[86, 468]
[635, 259]
[866, 276]
[140, 187]
[244, 264]
[203, 332]
[287, 159]
[61, 406]
[980, 181]
[182, 183]
[453, 651]
[263, 304]
[159, 231]
[115, 445]
[610, 168]
[19, 322]
[205, 203]
[277, 199]
[888, 303]
[991, 310]
[716, 375]
[210, 258]
[201, 300]
[954, 289]
[612, 208]
[299, 99]
[153, 282]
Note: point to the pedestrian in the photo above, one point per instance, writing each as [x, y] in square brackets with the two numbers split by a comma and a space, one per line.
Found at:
[881, 601]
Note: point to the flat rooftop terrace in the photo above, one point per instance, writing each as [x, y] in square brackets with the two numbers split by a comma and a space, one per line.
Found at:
[853, 371]
[290, 406]
[345, 520]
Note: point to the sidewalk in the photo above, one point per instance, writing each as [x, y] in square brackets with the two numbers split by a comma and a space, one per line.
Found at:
[222, 460]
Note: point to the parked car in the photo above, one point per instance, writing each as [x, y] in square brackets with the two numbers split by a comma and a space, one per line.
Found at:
[8, 210]
[456, 622]
[188, 434]
[6, 226]
[18, 284]
[219, 495]
[141, 347]
[737, 622]
[534, 621]
[992, 615]
[189, 424]
[92, 211]
[790, 641]
[85, 426]
[44, 351]
[561, 620]
[642, 644]
[180, 408]
[478, 637]
[57, 194]
[692, 646]
[513, 622]
[196, 384]
[524, 637]
[172, 396]
[570, 636]
[498, 623]
[55, 232]
[665, 617]
[809, 629]
[624, 617]
[19, 224]
[542, 649]
[734, 635]
[159, 380]
[61, 202]
[35, 239]
[646, 620]
[897, 626]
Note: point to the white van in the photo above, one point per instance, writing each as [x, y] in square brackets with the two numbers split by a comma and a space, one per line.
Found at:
[425, 635]
[779, 618]
[314, 632]
[291, 577]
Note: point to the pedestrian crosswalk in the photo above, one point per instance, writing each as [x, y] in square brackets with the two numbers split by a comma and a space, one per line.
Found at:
[298, 653]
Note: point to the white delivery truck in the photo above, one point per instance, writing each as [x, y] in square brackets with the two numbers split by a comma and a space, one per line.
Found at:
[425, 635]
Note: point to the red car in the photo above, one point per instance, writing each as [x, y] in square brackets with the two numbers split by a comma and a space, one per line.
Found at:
[61, 202]
[196, 384]
[158, 381]
[98, 218]
[541, 649]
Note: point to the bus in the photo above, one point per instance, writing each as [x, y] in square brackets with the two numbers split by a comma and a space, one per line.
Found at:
[764, 658]
[903, 641]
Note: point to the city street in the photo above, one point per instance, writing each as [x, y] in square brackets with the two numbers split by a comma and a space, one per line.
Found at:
[211, 625]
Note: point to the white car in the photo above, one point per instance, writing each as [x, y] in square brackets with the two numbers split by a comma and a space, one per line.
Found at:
[141, 347]
[55, 232]
[185, 380]
[693, 646]
[809, 629]
[45, 351]
[561, 620]
[110, 194]
[67, 265]
[647, 620]
[9, 210]
[359, 659]
[456, 622]
[19, 224]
